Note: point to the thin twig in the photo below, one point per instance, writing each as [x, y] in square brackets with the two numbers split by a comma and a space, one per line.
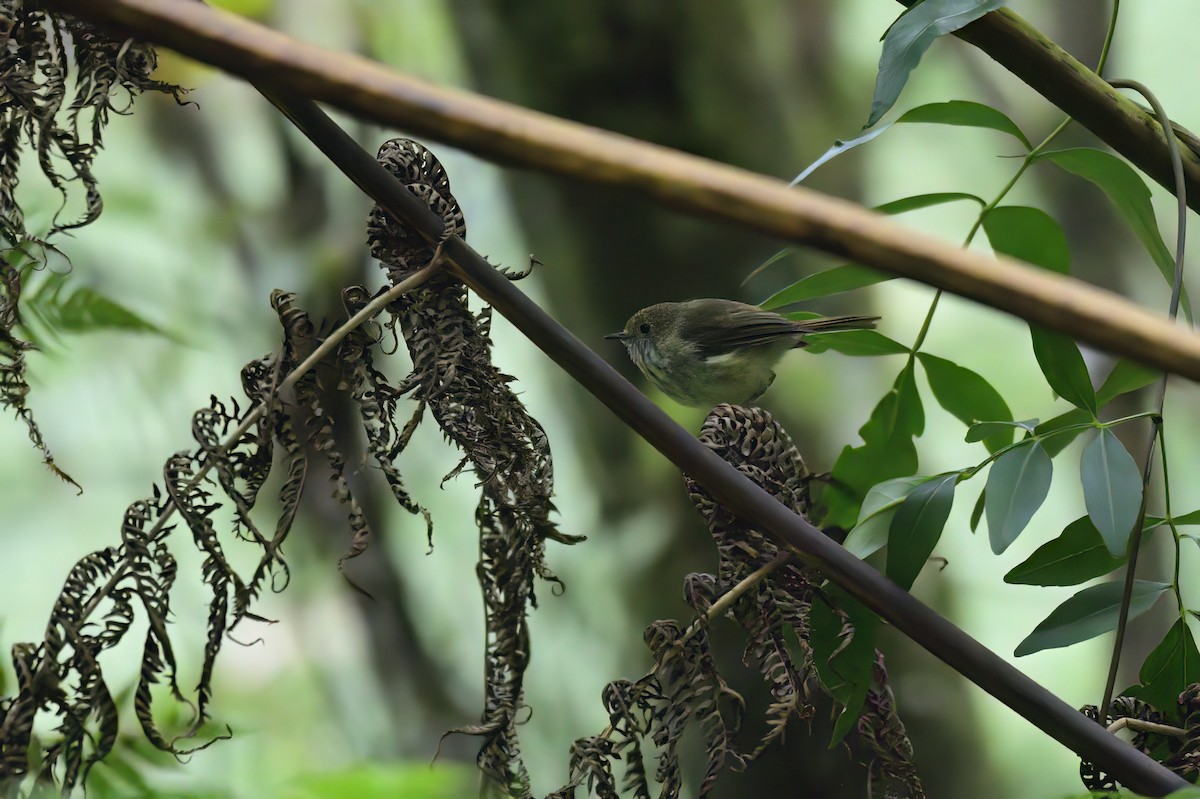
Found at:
[1135, 540]
[1146, 726]
[714, 612]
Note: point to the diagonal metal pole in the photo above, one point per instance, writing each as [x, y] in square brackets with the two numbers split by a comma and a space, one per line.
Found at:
[920, 623]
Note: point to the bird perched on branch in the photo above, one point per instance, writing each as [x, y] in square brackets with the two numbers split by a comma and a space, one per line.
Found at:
[705, 352]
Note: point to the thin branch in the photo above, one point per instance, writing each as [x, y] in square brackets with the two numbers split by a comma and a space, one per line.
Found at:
[730, 487]
[698, 186]
[1146, 726]
[1135, 541]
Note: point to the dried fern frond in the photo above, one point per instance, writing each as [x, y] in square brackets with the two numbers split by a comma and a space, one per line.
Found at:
[470, 399]
[770, 597]
[1177, 748]
[59, 80]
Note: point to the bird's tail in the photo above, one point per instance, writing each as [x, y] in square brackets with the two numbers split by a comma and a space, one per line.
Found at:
[826, 324]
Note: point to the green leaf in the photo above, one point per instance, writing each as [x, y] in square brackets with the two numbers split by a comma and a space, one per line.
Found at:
[918, 201]
[1064, 368]
[1091, 612]
[968, 397]
[1169, 669]
[854, 342]
[1192, 518]
[1112, 489]
[1028, 234]
[1056, 442]
[887, 450]
[1076, 556]
[908, 39]
[967, 114]
[1125, 377]
[1031, 235]
[917, 526]
[1129, 193]
[843, 653]
[61, 307]
[977, 511]
[822, 284]
[981, 430]
[870, 533]
[1017, 485]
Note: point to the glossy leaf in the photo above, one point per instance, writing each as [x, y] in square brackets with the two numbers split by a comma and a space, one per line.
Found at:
[823, 284]
[1125, 377]
[887, 450]
[870, 533]
[1129, 193]
[844, 654]
[967, 114]
[1169, 669]
[969, 397]
[977, 511]
[854, 342]
[917, 526]
[910, 36]
[1017, 485]
[1076, 556]
[918, 201]
[1064, 368]
[1031, 235]
[1112, 489]
[1091, 612]
[59, 306]
[1028, 234]
[1192, 518]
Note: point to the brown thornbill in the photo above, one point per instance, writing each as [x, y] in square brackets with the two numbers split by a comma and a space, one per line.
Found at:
[705, 352]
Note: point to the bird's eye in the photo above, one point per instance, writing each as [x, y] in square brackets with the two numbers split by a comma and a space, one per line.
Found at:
[645, 328]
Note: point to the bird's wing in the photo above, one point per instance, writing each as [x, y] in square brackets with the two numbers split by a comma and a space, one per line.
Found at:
[721, 326]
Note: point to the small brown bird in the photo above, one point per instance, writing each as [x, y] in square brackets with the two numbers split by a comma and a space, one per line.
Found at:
[705, 352]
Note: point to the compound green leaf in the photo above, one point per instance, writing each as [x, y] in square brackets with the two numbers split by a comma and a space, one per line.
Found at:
[1129, 193]
[1028, 234]
[870, 533]
[1017, 485]
[910, 36]
[1076, 556]
[887, 450]
[918, 201]
[1091, 612]
[917, 526]
[854, 342]
[846, 277]
[1064, 368]
[969, 397]
[967, 114]
[1112, 489]
[1169, 669]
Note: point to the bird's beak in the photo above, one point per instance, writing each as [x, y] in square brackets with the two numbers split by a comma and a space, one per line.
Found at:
[618, 336]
